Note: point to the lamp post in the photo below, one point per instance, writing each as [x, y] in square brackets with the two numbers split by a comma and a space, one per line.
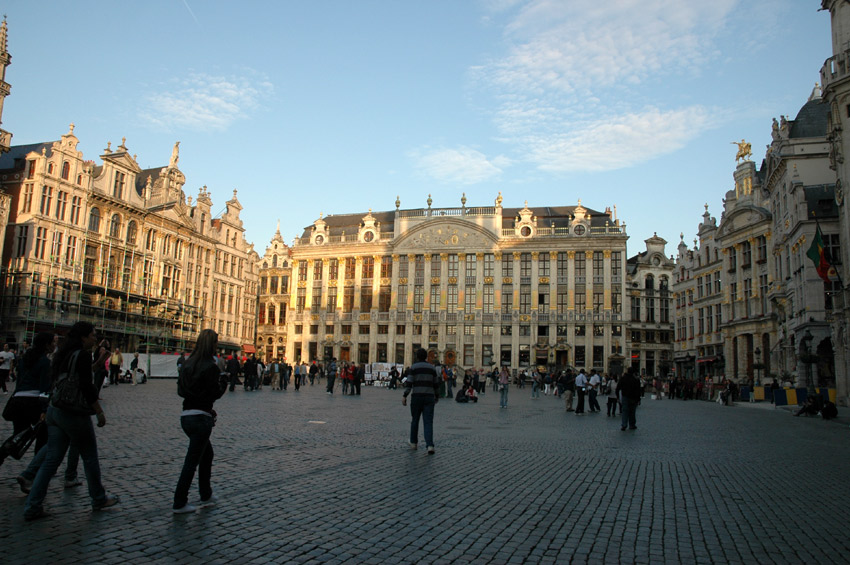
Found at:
[806, 358]
[758, 366]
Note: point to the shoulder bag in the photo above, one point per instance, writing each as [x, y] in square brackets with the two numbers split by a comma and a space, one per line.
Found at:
[66, 393]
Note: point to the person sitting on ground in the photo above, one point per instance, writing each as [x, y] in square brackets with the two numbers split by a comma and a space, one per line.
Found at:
[808, 408]
[470, 394]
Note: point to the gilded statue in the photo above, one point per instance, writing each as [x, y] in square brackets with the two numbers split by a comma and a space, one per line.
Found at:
[744, 150]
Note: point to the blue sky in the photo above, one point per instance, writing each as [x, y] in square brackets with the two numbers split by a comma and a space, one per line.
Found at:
[338, 106]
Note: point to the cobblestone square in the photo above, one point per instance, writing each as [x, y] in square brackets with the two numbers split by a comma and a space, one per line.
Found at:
[304, 477]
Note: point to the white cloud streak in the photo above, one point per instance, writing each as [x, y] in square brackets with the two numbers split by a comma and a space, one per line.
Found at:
[574, 90]
[204, 102]
[462, 165]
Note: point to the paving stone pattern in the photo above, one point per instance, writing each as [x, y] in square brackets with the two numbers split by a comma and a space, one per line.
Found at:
[304, 477]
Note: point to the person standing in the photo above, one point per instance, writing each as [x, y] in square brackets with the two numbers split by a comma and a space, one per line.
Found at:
[595, 386]
[359, 375]
[504, 380]
[233, 369]
[6, 358]
[569, 382]
[535, 384]
[612, 395]
[331, 374]
[200, 384]
[581, 389]
[180, 360]
[115, 362]
[314, 371]
[629, 390]
[423, 386]
[68, 427]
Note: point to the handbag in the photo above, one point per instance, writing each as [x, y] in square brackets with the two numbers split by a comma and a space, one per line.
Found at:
[17, 444]
[66, 392]
[13, 408]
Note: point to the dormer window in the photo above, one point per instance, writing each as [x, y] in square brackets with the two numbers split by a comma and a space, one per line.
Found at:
[66, 170]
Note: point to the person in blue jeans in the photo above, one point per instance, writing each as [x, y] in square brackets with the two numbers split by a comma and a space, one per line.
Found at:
[66, 427]
[423, 387]
[504, 380]
[200, 384]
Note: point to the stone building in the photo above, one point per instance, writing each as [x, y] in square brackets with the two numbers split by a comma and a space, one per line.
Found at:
[796, 178]
[835, 82]
[123, 248]
[5, 136]
[275, 275]
[650, 327]
[477, 286]
[699, 295]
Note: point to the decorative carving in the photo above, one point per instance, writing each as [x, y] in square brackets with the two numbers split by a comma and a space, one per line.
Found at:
[435, 280]
[488, 280]
[606, 253]
[402, 280]
[507, 280]
[544, 280]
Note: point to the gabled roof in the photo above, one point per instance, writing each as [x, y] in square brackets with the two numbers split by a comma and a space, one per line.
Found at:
[9, 160]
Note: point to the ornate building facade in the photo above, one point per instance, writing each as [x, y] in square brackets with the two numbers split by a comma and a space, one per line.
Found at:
[651, 320]
[835, 82]
[699, 296]
[5, 136]
[123, 248]
[477, 286]
[275, 276]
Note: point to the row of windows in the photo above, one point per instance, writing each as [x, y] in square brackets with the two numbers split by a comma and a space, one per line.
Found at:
[524, 330]
[452, 266]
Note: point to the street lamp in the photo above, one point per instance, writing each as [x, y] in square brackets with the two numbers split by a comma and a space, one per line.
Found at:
[807, 358]
[758, 366]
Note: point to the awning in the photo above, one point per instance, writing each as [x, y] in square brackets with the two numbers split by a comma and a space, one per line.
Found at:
[707, 359]
[248, 348]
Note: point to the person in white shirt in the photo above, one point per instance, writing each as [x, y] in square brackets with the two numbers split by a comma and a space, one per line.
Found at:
[595, 382]
[6, 359]
[581, 389]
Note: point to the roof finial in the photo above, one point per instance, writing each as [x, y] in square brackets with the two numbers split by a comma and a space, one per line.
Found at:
[397, 202]
[71, 129]
[429, 201]
[175, 155]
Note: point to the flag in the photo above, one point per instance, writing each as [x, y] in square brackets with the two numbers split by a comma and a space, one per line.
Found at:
[820, 257]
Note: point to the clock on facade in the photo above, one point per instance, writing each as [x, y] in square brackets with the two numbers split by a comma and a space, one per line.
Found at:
[368, 236]
[320, 239]
[525, 231]
[579, 230]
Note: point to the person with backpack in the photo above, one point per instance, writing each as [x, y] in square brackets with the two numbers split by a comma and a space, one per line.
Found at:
[200, 384]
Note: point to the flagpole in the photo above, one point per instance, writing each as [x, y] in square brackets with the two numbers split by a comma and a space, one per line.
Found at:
[828, 258]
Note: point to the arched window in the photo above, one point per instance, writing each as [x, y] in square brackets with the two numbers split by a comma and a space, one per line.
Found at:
[131, 233]
[115, 226]
[94, 220]
[272, 319]
[66, 170]
[650, 282]
[274, 261]
[50, 169]
[150, 240]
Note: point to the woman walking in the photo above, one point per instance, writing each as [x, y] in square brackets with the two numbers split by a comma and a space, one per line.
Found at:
[70, 424]
[504, 379]
[200, 384]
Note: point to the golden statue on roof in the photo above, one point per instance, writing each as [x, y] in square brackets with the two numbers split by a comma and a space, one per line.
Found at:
[744, 150]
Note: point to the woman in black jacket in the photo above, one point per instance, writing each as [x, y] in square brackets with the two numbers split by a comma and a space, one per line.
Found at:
[200, 384]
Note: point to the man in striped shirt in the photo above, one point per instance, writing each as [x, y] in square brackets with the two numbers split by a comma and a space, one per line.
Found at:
[423, 386]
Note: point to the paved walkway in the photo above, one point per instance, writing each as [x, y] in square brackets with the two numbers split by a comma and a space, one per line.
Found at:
[310, 478]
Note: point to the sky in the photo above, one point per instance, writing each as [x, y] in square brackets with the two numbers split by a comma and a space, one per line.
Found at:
[336, 107]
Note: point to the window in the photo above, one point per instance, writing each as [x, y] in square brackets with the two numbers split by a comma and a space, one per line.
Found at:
[469, 299]
[507, 265]
[635, 309]
[451, 296]
[581, 300]
[402, 297]
[333, 269]
[317, 269]
[40, 242]
[348, 299]
[46, 200]
[507, 299]
[23, 233]
[61, 203]
[315, 300]
[563, 264]
[300, 300]
[489, 264]
[616, 267]
[365, 298]
[434, 300]
[384, 298]
[598, 302]
[832, 248]
[76, 206]
[118, 186]
[598, 266]
[349, 269]
[525, 265]
[70, 250]
[488, 299]
[418, 298]
[563, 299]
[761, 245]
[66, 170]
[525, 299]
[746, 255]
[436, 263]
[543, 300]
[733, 259]
[368, 270]
[386, 266]
[302, 271]
[419, 268]
[331, 304]
[543, 264]
[94, 220]
[26, 201]
[115, 226]
[579, 265]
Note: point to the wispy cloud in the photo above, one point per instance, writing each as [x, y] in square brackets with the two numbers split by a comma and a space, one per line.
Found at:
[574, 88]
[204, 102]
[462, 165]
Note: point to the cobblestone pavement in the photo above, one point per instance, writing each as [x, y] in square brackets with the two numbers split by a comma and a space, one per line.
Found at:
[304, 477]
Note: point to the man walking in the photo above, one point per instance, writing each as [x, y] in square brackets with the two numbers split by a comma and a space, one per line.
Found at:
[423, 386]
[629, 390]
[331, 374]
